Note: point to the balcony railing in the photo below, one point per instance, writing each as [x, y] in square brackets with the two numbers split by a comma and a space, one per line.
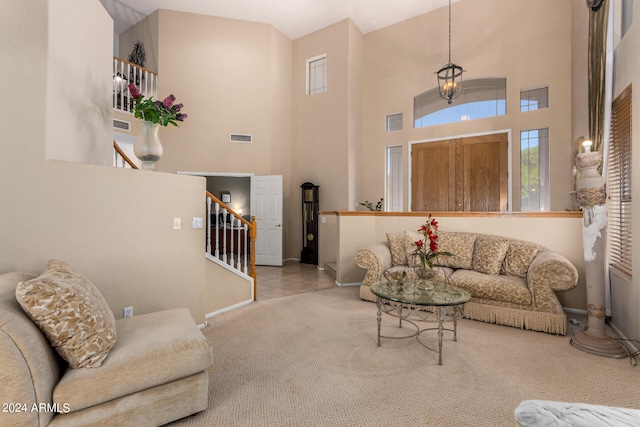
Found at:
[124, 73]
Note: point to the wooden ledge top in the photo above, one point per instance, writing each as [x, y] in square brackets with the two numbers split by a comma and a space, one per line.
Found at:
[559, 214]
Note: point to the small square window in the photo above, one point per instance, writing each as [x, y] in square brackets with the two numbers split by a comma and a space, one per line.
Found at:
[394, 122]
[534, 99]
[317, 75]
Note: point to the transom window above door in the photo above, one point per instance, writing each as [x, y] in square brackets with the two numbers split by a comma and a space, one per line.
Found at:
[480, 98]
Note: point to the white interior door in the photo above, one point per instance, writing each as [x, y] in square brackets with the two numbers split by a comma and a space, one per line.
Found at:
[266, 206]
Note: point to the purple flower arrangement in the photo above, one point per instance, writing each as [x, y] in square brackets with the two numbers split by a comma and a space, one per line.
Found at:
[161, 112]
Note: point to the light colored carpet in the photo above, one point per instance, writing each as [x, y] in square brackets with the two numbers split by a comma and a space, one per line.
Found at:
[312, 360]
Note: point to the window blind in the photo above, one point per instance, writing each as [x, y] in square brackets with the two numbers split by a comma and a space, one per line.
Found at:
[619, 185]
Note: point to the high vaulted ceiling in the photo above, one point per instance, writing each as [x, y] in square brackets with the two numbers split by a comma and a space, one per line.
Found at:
[294, 18]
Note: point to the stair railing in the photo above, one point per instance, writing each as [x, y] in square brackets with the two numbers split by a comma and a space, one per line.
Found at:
[230, 238]
[121, 160]
[124, 73]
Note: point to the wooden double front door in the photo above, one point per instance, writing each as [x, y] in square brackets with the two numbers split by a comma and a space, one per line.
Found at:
[461, 174]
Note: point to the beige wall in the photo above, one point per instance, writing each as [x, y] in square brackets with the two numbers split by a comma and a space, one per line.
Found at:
[529, 43]
[225, 289]
[561, 232]
[282, 133]
[232, 77]
[328, 238]
[324, 142]
[220, 69]
[355, 115]
[114, 225]
[146, 32]
[77, 119]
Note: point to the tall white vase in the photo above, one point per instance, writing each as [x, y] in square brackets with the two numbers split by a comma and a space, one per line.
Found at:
[147, 146]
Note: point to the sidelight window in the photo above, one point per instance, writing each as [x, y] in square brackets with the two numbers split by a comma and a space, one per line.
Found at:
[534, 170]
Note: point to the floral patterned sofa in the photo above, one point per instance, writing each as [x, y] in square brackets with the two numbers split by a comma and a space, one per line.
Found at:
[511, 282]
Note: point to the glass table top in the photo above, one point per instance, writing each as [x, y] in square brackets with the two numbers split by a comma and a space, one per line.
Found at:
[421, 292]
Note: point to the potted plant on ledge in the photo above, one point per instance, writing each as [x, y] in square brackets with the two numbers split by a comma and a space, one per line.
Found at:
[147, 146]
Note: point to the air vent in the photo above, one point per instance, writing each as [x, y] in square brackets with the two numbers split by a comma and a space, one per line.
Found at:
[240, 137]
[121, 124]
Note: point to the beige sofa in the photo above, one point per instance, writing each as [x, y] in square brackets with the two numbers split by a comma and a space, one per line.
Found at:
[154, 372]
[511, 282]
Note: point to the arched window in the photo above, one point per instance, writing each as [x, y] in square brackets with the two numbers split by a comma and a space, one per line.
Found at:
[480, 98]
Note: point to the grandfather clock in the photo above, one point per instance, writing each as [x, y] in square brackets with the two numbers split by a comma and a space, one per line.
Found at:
[310, 207]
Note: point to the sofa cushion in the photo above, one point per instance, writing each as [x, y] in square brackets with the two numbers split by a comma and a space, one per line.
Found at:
[519, 256]
[396, 243]
[152, 349]
[497, 288]
[460, 245]
[488, 254]
[71, 312]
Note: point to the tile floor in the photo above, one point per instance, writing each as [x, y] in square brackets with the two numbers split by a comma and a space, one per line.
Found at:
[290, 279]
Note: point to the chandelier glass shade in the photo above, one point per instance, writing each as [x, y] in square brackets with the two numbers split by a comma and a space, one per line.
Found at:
[450, 81]
[450, 75]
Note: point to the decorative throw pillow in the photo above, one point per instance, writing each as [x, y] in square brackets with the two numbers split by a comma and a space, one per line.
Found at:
[489, 254]
[460, 245]
[396, 244]
[519, 256]
[71, 312]
[409, 238]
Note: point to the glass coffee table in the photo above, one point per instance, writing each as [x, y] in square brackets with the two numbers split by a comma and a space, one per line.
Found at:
[409, 301]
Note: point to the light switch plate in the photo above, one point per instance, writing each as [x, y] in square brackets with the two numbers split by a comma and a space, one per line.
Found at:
[177, 223]
[196, 223]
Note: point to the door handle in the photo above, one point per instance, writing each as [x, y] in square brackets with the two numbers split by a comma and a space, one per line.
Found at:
[278, 225]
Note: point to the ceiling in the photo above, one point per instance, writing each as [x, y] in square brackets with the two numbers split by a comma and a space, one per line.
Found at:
[294, 18]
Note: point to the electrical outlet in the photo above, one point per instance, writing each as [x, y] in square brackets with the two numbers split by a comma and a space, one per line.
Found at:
[128, 312]
[196, 222]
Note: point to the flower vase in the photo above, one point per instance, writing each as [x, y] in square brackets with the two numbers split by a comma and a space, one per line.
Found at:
[426, 273]
[147, 146]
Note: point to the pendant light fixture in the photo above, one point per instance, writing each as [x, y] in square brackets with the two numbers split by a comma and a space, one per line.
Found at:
[450, 75]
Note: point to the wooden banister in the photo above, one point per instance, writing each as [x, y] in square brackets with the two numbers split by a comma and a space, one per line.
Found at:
[229, 209]
[124, 156]
[253, 233]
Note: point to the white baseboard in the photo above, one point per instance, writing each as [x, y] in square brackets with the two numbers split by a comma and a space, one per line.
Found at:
[224, 310]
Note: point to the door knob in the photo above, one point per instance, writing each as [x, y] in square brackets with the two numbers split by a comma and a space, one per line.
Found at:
[278, 225]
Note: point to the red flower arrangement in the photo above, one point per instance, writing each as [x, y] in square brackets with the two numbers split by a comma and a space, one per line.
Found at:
[428, 252]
